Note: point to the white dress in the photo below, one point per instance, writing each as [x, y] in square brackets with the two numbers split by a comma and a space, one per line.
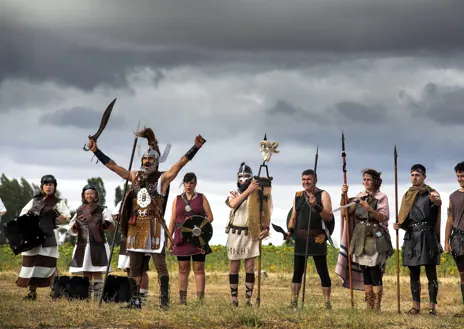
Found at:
[241, 246]
[123, 258]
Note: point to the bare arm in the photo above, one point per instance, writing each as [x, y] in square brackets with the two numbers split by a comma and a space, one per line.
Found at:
[172, 173]
[207, 209]
[110, 164]
[449, 225]
[326, 212]
[172, 222]
[292, 221]
[2, 213]
[235, 202]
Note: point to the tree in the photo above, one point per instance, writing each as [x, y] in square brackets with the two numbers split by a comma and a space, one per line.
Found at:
[100, 186]
[117, 195]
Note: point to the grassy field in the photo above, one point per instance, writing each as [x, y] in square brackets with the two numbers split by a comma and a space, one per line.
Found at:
[216, 312]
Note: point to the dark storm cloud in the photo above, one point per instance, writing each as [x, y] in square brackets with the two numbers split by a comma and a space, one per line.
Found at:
[79, 117]
[92, 47]
[359, 113]
[442, 104]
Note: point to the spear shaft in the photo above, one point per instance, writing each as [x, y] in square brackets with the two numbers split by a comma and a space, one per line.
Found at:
[313, 188]
[347, 223]
[116, 230]
[395, 155]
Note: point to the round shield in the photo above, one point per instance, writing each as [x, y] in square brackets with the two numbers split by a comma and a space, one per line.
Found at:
[197, 230]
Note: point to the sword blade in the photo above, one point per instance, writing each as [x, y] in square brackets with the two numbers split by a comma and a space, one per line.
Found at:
[104, 121]
[280, 230]
[345, 206]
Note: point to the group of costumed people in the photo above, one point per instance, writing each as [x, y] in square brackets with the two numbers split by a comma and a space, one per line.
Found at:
[311, 221]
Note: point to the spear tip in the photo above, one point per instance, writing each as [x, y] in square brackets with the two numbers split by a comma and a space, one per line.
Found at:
[343, 141]
[265, 137]
[395, 152]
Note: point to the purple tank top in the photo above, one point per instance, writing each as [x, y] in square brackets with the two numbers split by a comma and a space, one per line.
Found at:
[196, 205]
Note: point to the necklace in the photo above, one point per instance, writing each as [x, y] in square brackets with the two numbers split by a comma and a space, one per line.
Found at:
[187, 208]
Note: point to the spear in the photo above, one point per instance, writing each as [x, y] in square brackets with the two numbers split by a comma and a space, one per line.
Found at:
[119, 218]
[395, 155]
[347, 224]
[309, 222]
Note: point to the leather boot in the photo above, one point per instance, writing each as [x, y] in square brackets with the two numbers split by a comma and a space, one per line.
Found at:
[377, 300]
[97, 290]
[369, 298]
[164, 292]
[134, 302]
[183, 297]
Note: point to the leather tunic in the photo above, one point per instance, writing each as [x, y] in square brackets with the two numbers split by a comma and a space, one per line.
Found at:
[90, 226]
[44, 208]
[421, 245]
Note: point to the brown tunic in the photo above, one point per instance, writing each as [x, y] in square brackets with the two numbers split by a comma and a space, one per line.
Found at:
[89, 221]
[143, 212]
[457, 209]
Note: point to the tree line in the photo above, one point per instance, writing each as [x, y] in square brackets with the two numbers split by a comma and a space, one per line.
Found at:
[15, 194]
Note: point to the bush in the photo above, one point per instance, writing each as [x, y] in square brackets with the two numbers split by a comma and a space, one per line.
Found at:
[275, 259]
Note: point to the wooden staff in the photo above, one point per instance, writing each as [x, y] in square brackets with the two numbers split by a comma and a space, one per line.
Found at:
[347, 223]
[119, 219]
[309, 223]
[395, 155]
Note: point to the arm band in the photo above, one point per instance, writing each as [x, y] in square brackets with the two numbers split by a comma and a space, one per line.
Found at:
[318, 208]
[191, 153]
[102, 157]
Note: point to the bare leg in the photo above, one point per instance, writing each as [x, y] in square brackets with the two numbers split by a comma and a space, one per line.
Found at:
[200, 278]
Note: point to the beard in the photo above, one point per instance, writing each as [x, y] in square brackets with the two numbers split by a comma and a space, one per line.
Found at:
[242, 187]
[148, 170]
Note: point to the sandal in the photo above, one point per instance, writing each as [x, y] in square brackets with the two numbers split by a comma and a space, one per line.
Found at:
[413, 311]
[432, 312]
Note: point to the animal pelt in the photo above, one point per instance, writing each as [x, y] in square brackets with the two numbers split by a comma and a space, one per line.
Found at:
[148, 134]
[74, 287]
[255, 221]
[117, 289]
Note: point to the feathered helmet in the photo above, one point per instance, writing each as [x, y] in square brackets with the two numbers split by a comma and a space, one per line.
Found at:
[153, 150]
[86, 188]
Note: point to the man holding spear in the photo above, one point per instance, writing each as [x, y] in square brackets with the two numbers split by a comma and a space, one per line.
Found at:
[311, 213]
[420, 217]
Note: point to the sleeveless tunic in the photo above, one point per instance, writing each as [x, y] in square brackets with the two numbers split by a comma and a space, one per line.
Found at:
[301, 232]
[457, 234]
[185, 248]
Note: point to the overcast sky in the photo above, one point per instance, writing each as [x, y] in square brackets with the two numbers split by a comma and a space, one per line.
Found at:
[385, 72]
